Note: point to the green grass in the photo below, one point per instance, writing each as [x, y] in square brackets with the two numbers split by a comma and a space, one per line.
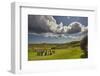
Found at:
[62, 51]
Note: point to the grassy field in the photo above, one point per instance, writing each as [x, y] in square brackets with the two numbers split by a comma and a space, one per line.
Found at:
[62, 51]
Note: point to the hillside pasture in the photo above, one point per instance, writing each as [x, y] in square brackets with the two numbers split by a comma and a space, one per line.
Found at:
[46, 51]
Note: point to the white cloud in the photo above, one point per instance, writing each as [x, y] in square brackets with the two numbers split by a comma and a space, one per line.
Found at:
[48, 27]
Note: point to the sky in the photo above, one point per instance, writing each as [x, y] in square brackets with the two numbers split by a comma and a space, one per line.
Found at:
[56, 29]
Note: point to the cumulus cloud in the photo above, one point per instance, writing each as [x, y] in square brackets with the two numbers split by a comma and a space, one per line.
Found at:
[48, 27]
[75, 27]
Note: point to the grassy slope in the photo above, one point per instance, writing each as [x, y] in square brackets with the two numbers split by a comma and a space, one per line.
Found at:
[63, 51]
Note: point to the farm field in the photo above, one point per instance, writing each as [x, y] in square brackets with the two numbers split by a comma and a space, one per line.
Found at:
[46, 51]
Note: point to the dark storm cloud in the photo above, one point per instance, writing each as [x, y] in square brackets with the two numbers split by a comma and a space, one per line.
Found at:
[37, 24]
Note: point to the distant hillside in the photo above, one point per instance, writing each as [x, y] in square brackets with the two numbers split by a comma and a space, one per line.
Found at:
[56, 46]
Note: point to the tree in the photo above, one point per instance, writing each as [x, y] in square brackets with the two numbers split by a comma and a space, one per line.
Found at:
[84, 46]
